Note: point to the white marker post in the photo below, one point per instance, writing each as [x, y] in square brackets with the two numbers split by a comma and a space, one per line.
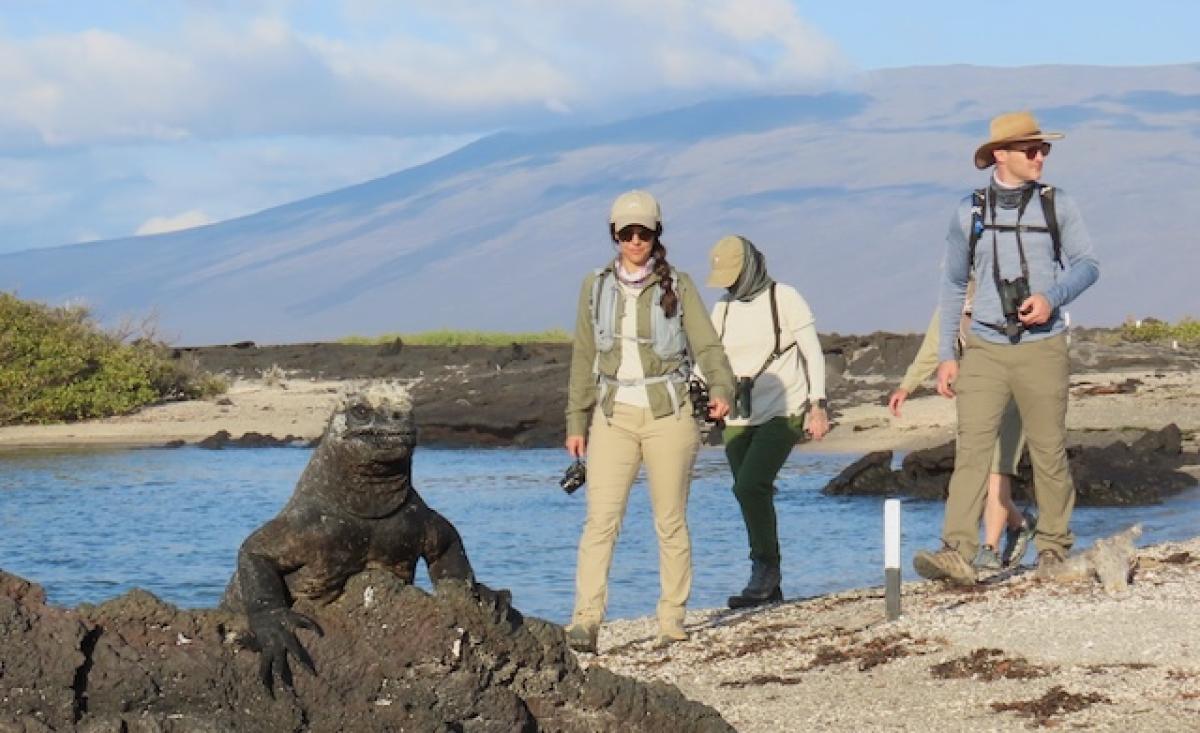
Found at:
[891, 556]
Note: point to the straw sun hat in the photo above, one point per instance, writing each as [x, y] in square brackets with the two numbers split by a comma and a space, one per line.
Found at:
[1006, 129]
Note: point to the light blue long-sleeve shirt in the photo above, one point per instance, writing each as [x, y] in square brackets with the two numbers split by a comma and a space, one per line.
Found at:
[1045, 276]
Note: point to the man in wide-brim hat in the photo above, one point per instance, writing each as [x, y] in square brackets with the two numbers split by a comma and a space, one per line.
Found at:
[1016, 347]
[1009, 130]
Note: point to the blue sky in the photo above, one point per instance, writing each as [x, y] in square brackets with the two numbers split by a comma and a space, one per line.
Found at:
[120, 118]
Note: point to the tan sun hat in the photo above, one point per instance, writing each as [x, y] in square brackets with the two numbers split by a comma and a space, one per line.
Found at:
[727, 257]
[1012, 127]
[635, 207]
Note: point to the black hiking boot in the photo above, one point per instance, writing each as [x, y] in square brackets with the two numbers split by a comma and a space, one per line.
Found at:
[762, 588]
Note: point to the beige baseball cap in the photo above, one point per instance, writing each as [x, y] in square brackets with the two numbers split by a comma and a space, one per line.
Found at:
[635, 207]
[727, 257]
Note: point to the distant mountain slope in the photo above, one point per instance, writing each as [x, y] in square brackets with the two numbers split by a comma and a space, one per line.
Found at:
[849, 194]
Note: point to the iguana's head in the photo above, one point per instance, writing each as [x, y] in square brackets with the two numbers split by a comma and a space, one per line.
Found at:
[365, 456]
[376, 419]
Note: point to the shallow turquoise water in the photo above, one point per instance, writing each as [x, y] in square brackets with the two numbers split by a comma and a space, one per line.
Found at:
[90, 525]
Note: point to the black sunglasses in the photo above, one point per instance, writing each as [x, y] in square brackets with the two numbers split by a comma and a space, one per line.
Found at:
[627, 233]
[1031, 151]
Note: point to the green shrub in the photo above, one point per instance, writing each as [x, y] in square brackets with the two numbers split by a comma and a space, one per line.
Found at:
[464, 338]
[1186, 331]
[57, 364]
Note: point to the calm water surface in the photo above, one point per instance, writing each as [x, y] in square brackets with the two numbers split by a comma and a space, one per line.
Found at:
[90, 525]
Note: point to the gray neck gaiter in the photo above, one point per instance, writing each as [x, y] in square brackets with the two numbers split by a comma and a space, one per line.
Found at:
[753, 278]
[1009, 198]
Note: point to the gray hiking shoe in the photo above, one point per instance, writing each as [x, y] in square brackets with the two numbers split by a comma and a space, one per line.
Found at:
[1016, 541]
[987, 559]
[945, 564]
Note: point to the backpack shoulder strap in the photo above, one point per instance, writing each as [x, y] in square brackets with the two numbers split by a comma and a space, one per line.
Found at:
[978, 203]
[1051, 216]
[597, 284]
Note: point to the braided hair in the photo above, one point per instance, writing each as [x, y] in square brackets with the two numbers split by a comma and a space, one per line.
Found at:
[662, 268]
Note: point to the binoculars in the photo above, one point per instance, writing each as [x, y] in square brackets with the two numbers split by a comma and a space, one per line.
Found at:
[1012, 294]
[742, 405]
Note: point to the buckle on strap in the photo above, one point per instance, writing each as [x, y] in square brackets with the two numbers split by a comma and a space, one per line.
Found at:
[678, 375]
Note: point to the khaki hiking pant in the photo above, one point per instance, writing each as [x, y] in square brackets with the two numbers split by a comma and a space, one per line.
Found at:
[1034, 375]
[617, 447]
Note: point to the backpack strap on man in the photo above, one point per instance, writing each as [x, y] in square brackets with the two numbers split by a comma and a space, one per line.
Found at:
[978, 202]
[1046, 194]
[1049, 213]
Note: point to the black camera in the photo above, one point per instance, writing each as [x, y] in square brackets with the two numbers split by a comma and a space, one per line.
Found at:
[575, 477]
[742, 406]
[698, 394]
[1012, 294]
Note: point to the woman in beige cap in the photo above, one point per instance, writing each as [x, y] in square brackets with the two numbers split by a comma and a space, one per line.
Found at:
[765, 327]
[640, 325]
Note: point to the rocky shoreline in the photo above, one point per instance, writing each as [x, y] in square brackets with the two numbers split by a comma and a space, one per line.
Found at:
[1014, 652]
[484, 396]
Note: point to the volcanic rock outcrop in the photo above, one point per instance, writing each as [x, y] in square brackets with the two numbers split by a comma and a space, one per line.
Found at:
[1118, 474]
[392, 658]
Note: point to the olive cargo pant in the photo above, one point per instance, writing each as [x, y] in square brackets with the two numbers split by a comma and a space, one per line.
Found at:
[617, 447]
[1035, 376]
[755, 454]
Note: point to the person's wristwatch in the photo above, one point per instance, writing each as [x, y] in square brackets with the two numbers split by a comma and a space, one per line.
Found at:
[822, 404]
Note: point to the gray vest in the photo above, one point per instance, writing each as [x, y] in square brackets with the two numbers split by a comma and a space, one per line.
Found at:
[666, 333]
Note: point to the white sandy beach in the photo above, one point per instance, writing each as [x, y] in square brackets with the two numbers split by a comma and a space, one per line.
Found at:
[301, 407]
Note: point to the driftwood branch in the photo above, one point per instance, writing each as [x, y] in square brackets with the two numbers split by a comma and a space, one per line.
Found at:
[1110, 559]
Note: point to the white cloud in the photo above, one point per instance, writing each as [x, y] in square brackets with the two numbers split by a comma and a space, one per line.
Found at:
[426, 66]
[163, 224]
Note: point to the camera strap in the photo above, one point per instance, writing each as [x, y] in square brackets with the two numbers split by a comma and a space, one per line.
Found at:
[776, 352]
[1012, 326]
[1016, 229]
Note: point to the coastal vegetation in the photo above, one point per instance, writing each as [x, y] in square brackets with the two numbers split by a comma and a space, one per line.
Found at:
[448, 337]
[1186, 331]
[57, 363]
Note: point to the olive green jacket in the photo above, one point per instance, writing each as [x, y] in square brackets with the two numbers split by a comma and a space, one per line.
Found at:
[926, 361]
[702, 340]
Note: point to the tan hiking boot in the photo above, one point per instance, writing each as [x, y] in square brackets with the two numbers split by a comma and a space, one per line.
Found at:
[583, 637]
[1048, 562]
[670, 632]
[945, 564]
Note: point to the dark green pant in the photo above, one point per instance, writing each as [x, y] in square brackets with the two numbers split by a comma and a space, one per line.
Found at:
[756, 453]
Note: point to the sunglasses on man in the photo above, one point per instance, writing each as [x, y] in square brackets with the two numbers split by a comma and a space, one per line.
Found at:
[628, 233]
[1031, 151]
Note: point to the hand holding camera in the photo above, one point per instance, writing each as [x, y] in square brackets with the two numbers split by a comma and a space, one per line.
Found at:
[575, 476]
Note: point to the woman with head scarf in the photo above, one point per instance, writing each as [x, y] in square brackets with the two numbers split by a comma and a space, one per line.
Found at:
[770, 336]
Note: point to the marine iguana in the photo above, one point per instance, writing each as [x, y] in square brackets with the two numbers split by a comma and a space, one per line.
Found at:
[354, 507]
